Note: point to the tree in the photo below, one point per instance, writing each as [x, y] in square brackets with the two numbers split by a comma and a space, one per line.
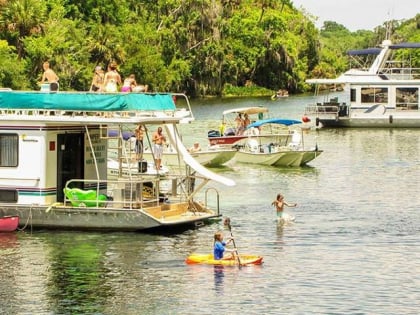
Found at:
[21, 18]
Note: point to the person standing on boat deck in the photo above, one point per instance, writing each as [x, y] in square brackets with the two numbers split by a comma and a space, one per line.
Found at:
[279, 203]
[246, 121]
[97, 80]
[139, 134]
[222, 128]
[220, 246]
[158, 140]
[239, 124]
[49, 76]
[112, 79]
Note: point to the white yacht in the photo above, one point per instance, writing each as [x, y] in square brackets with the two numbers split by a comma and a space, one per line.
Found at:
[385, 95]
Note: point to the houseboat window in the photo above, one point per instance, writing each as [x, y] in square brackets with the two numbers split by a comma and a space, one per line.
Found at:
[352, 95]
[407, 98]
[9, 150]
[8, 195]
[374, 95]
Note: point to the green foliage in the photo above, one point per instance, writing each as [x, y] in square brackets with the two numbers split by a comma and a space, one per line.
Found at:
[202, 47]
[11, 71]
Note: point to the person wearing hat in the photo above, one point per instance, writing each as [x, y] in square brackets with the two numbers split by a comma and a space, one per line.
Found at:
[97, 80]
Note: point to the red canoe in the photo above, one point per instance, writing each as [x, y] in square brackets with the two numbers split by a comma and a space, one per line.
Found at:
[9, 223]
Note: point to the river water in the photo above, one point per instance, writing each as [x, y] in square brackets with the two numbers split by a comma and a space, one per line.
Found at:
[353, 249]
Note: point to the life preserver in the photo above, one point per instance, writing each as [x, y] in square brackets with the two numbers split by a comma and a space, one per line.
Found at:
[306, 119]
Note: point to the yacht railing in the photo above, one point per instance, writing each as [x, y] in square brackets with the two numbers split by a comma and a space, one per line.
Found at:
[392, 73]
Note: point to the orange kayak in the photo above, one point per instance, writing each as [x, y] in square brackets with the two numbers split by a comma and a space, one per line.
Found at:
[208, 259]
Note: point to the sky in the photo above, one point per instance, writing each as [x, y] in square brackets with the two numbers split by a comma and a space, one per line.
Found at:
[359, 14]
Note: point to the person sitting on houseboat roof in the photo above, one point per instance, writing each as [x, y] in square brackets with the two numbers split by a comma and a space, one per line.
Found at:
[129, 84]
[141, 88]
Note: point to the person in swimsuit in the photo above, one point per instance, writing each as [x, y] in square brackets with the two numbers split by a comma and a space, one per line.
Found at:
[279, 203]
[139, 133]
[158, 140]
[97, 80]
[112, 79]
[49, 76]
[129, 84]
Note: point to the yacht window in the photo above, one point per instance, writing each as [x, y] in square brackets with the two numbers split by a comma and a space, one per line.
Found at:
[9, 148]
[375, 95]
[407, 98]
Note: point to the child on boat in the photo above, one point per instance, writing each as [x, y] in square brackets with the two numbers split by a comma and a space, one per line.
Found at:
[279, 203]
[219, 246]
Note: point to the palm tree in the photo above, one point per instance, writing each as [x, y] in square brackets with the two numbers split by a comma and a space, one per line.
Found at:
[20, 18]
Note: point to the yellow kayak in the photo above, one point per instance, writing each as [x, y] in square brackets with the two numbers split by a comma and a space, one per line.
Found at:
[208, 259]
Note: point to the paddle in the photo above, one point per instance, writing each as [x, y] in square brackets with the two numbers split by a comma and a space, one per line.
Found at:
[227, 222]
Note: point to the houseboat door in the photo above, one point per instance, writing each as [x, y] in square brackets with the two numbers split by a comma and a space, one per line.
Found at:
[70, 161]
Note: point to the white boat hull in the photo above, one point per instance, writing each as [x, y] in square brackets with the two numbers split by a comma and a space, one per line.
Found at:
[206, 158]
[390, 119]
[107, 219]
[281, 158]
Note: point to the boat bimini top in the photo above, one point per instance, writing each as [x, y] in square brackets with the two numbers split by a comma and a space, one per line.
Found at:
[247, 110]
[279, 121]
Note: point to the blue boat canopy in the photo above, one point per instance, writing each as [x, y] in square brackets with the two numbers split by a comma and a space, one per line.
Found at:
[367, 51]
[125, 134]
[280, 121]
[405, 45]
[85, 101]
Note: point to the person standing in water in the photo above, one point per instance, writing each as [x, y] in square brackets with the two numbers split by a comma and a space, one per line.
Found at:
[279, 203]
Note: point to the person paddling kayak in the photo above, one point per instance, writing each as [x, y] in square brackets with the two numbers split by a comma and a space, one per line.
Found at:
[219, 246]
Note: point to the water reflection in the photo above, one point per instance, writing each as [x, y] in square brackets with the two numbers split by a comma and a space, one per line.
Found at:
[356, 234]
[218, 278]
[8, 240]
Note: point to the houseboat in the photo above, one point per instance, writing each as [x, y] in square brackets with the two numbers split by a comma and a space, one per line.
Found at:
[385, 95]
[54, 150]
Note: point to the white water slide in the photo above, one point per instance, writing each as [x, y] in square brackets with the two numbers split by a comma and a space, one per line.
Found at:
[189, 160]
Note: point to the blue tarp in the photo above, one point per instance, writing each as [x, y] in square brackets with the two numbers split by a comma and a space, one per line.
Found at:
[286, 122]
[85, 101]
